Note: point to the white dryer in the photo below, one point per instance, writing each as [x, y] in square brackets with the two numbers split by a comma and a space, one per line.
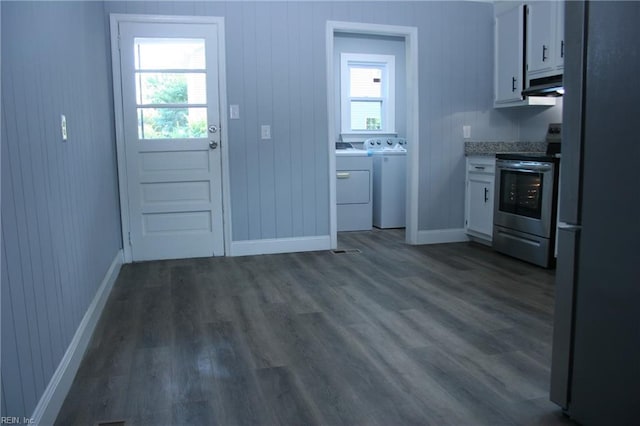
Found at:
[354, 175]
[389, 181]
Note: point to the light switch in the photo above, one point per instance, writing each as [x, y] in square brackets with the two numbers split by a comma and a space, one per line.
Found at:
[466, 131]
[265, 131]
[234, 112]
[63, 127]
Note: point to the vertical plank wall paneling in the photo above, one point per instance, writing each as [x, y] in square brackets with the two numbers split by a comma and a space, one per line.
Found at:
[309, 104]
[321, 13]
[265, 79]
[248, 100]
[281, 125]
[239, 177]
[276, 73]
[60, 217]
[297, 132]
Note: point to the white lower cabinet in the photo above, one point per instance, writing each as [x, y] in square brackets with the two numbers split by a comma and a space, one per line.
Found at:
[479, 198]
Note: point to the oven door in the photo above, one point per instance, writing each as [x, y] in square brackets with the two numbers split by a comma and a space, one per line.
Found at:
[524, 196]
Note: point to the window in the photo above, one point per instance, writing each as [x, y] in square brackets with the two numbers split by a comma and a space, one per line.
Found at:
[171, 88]
[367, 86]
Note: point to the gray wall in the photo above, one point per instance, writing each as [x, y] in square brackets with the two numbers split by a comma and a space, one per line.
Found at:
[534, 121]
[356, 43]
[276, 73]
[60, 217]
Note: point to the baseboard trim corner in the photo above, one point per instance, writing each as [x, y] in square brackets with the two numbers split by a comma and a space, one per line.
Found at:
[280, 245]
[54, 395]
[440, 236]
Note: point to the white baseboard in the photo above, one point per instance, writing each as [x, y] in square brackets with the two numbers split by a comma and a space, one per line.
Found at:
[54, 395]
[439, 236]
[280, 245]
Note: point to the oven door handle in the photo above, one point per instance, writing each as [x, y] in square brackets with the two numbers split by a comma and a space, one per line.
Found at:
[540, 169]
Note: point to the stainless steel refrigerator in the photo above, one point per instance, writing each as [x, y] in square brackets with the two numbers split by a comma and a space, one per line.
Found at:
[595, 373]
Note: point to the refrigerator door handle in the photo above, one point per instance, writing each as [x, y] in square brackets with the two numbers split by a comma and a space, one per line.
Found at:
[562, 350]
[568, 226]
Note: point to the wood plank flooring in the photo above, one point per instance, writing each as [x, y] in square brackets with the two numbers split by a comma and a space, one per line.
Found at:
[450, 334]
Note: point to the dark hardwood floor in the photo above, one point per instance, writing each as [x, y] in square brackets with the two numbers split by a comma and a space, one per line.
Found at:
[391, 335]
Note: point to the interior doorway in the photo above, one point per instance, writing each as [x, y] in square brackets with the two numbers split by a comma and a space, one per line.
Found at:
[409, 124]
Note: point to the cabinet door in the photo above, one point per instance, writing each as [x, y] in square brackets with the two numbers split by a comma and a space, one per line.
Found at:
[541, 29]
[352, 187]
[509, 55]
[480, 199]
[559, 34]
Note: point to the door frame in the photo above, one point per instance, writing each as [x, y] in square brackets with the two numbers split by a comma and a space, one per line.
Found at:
[115, 20]
[410, 35]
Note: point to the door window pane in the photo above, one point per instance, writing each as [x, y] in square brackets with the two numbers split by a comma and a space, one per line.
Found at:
[169, 53]
[365, 82]
[171, 88]
[366, 115]
[169, 123]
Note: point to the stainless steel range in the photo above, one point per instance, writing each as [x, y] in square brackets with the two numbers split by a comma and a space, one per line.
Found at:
[524, 221]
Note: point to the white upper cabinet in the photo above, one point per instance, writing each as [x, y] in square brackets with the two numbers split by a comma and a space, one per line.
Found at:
[540, 48]
[509, 27]
[545, 38]
[560, 35]
[509, 75]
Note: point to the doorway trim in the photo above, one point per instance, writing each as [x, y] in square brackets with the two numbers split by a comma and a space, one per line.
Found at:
[410, 35]
[115, 20]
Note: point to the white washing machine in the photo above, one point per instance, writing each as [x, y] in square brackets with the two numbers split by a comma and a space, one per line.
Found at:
[389, 181]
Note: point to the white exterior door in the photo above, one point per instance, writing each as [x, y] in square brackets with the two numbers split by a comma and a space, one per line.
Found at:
[169, 75]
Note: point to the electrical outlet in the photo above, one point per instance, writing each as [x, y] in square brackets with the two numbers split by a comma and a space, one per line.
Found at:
[466, 131]
[265, 131]
[234, 112]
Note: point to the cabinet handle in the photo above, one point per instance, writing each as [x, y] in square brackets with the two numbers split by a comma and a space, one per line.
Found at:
[513, 84]
[486, 195]
[544, 52]
[343, 175]
[479, 167]
[562, 48]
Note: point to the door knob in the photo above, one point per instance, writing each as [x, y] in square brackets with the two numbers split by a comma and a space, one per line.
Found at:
[213, 128]
[213, 144]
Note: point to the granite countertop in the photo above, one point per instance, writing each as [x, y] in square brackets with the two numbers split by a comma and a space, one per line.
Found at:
[492, 148]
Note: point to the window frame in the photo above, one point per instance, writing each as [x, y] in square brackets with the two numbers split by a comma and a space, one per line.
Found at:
[387, 114]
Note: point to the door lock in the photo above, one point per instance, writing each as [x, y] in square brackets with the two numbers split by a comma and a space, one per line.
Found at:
[213, 128]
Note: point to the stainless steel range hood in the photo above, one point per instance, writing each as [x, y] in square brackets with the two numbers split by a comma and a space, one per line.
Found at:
[545, 86]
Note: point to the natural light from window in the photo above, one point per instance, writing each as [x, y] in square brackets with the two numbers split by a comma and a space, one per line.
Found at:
[367, 93]
[171, 88]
